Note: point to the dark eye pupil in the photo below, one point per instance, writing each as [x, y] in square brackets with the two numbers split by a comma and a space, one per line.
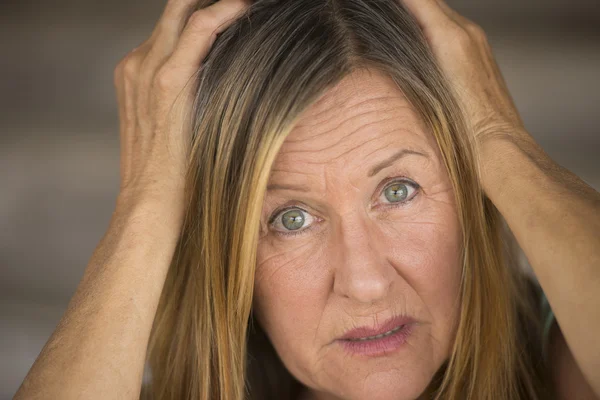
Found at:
[292, 220]
[396, 192]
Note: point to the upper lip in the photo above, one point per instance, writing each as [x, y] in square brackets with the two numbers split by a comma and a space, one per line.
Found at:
[366, 331]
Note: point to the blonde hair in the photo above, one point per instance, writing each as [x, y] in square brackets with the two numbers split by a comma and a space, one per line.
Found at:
[260, 75]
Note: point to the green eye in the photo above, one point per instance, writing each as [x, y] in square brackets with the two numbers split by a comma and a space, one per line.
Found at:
[292, 220]
[396, 192]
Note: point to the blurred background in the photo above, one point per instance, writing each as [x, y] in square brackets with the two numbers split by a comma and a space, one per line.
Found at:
[59, 137]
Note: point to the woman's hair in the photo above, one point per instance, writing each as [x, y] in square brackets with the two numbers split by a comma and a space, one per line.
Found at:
[260, 75]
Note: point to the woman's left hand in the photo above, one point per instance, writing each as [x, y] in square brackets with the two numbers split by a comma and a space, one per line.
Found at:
[533, 193]
[465, 57]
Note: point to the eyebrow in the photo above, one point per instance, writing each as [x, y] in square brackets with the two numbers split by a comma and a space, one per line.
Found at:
[400, 154]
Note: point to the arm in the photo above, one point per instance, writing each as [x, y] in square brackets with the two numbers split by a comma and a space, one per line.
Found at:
[555, 217]
[569, 380]
[98, 349]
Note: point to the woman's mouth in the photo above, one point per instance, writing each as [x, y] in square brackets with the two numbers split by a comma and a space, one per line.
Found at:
[382, 340]
[388, 333]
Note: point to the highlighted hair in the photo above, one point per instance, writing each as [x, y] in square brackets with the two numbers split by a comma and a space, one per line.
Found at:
[260, 75]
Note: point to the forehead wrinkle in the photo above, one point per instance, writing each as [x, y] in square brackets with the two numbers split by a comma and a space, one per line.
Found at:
[344, 121]
[384, 135]
[310, 177]
[285, 171]
[384, 146]
[295, 145]
[347, 137]
[341, 97]
[313, 116]
[411, 130]
[282, 170]
[379, 149]
[372, 138]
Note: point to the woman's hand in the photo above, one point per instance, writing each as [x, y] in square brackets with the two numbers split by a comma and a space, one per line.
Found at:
[155, 99]
[98, 349]
[465, 56]
[554, 215]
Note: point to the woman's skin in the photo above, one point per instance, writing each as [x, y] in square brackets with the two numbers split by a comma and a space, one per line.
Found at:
[98, 349]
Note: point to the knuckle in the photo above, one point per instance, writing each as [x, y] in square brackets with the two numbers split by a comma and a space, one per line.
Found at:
[119, 74]
[130, 66]
[120, 65]
[146, 66]
[164, 78]
[203, 19]
[462, 37]
[477, 31]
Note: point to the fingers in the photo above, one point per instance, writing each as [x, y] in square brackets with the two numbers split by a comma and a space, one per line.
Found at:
[175, 14]
[440, 23]
[436, 15]
[452, 14]
[172, 21]
[428, 13]
[167, 30]
[201, 30]
[125, 75]
[444, 6]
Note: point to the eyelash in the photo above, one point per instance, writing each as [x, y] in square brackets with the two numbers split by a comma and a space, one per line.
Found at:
[278, 214]
[387, 182]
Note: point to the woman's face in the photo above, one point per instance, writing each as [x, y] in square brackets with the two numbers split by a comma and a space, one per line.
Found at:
[359, 229]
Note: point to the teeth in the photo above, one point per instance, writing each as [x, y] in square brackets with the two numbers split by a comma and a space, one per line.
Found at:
[388, 333]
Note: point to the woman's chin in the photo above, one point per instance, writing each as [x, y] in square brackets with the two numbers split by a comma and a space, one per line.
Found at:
[383, 389]
[400, 372]
[380, 383]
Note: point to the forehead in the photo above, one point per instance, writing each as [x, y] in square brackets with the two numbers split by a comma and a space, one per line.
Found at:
[366, 116]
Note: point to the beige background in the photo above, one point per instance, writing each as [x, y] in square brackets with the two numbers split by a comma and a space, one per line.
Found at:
[59, 149]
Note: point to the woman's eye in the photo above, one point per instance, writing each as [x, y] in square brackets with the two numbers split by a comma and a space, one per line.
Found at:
[399, 192]
[293, 219]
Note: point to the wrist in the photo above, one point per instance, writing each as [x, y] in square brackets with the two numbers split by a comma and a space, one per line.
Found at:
[506, 158]
[164, 207]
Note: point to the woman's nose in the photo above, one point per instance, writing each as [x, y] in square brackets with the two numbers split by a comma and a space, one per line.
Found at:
[362, 272]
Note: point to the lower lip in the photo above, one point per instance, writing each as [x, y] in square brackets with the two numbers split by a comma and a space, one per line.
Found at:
[378, 347]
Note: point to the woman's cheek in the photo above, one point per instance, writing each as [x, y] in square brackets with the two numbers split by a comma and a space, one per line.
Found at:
[292, 279]
[287, 261]
[424, 244]
[276, 249]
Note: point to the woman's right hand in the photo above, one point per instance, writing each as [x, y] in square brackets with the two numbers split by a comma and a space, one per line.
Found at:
[154, 101]
[98, 348]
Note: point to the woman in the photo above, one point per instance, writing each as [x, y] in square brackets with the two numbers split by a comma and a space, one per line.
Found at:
[329, 226]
